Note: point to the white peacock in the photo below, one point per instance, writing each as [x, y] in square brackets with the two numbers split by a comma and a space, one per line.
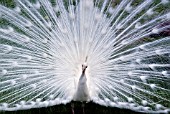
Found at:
[53, 52]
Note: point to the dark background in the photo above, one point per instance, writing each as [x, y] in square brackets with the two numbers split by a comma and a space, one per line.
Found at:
[90, 108]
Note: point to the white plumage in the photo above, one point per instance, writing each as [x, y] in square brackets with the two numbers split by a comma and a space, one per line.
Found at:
[44, 43]
[82, 92]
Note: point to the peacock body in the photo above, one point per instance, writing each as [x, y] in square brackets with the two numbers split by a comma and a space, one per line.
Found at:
[43, 44]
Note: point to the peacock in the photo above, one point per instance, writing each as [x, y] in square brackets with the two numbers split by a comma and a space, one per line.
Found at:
[115, 53]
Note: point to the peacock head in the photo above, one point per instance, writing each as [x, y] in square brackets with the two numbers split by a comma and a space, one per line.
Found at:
[84, 66]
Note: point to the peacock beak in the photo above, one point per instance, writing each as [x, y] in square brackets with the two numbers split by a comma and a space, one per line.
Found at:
[84, 66]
